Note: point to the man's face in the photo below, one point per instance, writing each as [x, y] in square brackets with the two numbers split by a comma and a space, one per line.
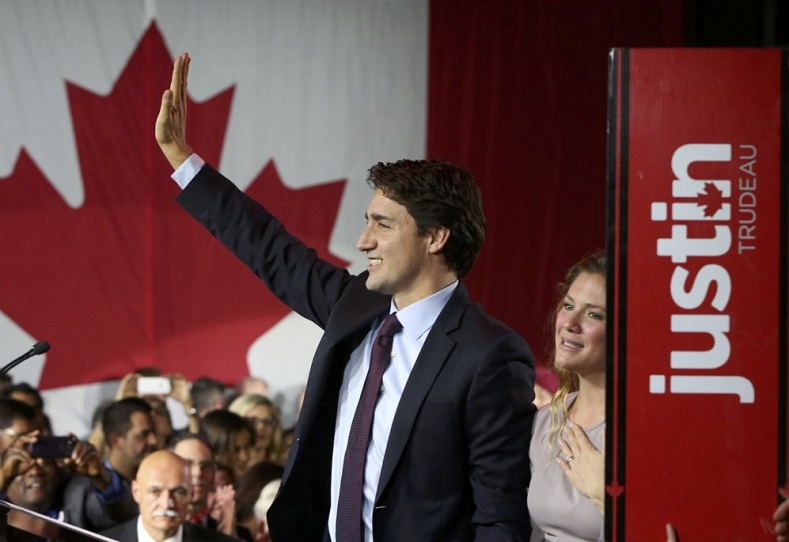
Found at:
[201, 459]
[399, 257]
[35, 488]
[139, 440]
[163, 491]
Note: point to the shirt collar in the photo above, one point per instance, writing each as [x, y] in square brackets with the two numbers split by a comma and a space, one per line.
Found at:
[417, 318]
[143, 536]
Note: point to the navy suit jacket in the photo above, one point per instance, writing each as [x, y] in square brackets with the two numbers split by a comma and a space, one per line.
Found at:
[456, 464]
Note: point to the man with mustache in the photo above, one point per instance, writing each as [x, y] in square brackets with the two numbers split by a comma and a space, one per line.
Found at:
[163, 490]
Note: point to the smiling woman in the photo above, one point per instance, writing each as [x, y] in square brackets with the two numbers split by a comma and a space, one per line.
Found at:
[566, 497]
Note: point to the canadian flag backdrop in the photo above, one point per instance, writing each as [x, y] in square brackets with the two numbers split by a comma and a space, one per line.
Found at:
[293, 100]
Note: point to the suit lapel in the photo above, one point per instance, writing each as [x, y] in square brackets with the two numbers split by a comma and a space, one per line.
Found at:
[350, 323]
[432, 357]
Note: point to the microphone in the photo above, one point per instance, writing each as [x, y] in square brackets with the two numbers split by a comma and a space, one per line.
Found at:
[38, 348]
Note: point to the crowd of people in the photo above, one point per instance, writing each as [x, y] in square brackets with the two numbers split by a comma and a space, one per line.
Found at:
[418, 419]
[211, 473]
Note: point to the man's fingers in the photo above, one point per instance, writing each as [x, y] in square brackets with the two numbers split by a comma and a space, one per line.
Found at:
[175, 81]
[180, 75]
[167, 100]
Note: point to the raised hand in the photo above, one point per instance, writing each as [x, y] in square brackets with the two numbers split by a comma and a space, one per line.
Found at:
[171, 122]
[86, 460]
[224, 509]
[127, 387]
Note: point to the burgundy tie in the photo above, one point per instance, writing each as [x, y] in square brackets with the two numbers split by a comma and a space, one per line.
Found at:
[350, 527]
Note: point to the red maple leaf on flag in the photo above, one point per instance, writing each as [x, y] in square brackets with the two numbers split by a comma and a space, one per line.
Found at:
[710, 199]
[129, 279]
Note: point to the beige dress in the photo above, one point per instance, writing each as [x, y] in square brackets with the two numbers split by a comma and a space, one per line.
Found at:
[558, 511]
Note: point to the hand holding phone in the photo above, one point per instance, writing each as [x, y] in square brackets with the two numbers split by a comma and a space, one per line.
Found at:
[52, 447]
[153, 385]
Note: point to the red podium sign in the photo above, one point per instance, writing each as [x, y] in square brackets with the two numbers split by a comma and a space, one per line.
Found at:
[698, 197]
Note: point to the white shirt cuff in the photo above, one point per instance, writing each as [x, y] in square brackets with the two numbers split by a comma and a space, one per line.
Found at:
[188, 170]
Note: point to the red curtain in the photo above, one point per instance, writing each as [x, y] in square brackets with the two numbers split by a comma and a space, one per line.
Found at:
[518, 93]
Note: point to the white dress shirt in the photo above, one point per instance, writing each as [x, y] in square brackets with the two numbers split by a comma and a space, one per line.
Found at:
[143, 536]
[417, 320]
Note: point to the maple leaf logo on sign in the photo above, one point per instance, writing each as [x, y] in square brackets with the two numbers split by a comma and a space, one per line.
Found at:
[710, 199]
[128, 279]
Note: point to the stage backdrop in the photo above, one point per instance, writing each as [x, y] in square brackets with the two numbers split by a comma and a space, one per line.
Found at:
[293, 100]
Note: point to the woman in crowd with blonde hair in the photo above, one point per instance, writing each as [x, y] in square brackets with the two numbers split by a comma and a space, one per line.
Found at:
[566, 495]
[263, 416]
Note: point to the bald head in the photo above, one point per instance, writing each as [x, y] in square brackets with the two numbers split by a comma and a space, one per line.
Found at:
[162, 488]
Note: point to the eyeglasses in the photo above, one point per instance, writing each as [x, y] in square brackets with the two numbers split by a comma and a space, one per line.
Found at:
[266, 422]
[207, 464]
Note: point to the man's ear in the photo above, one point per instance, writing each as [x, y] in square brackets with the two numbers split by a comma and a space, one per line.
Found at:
[135, 487]
[438, 238]
[112, 440]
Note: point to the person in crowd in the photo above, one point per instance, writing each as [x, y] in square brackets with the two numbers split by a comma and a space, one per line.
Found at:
[250, 488]
[162, 420]
[252, 384]
[82, 491]
[129, 435]
[264, 502]
[194, 449]
[208, 394]
[96, 436]
[444, 456]
[162, 489]
[566, 495]
[5, 381]
[26, 393]
[287, 440]
[16, 419]
[224, 476]
[231, 438]
[263, 415]
[206, 497]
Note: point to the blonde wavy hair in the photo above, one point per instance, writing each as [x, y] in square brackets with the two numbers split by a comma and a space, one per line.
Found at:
[244, 404]
[594, 264]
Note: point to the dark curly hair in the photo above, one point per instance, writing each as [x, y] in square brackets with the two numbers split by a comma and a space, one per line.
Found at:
[437, 194]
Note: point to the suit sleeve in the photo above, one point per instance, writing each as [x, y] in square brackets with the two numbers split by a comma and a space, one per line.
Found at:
[85, 508]
[499, 413]
[293, 272]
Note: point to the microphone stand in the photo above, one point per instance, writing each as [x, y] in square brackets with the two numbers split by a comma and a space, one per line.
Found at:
[38, 348]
